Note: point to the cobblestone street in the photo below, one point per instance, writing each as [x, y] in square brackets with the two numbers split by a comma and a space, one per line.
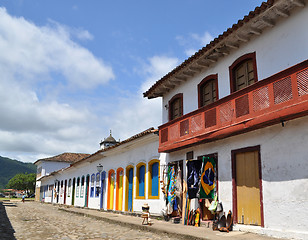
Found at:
[31, 220]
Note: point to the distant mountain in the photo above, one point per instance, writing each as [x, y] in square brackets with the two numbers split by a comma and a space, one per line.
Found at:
[9, 168]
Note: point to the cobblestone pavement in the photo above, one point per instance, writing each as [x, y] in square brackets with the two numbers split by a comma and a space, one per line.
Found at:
[31, 220]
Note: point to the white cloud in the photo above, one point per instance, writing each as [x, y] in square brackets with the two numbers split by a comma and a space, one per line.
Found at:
[203, 39]
[33, 122]
[135, 114]
[34, 52]
[157, 67]
[193, 42]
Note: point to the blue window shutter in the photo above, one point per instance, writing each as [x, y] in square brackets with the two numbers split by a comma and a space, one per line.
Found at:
[155, 179]
[141, 181]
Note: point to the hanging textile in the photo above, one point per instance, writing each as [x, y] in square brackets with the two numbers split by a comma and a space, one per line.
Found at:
[171, 187]
[179, 190]
[193, 173]
[207, 185]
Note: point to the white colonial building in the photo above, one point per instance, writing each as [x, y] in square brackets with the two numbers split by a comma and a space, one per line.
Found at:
[122, 176]
[242, 101]
[234, 126]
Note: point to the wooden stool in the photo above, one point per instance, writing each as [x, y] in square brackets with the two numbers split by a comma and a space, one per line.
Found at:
[145, 217]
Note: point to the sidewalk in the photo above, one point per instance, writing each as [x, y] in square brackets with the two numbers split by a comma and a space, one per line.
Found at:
[160, 226]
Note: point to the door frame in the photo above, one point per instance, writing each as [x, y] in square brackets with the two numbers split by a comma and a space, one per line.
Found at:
[86, 203]
[110, 196]
[73, 192]
[65, 183]
[119, 201]
[234, 185]
[103, 177]
[128, 168]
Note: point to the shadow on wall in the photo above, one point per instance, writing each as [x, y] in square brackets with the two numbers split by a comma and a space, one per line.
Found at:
[6, 229]
[283, 152]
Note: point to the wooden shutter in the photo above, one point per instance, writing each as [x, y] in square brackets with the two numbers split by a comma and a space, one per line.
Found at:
[208, 93]
[244, 75]
[176, 108]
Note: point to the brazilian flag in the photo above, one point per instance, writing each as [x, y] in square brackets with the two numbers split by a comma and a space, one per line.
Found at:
[207, 185]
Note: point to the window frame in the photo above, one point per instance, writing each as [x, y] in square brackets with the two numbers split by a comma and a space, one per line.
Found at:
[212, 77]
[97, 184]
[82, 181]
[236, 63]
[77, 187]
[69, 187]
[92, 180]
[170, 103]
[150, 179]
[139, 165]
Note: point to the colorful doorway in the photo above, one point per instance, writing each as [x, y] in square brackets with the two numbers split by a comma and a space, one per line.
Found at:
[86, 204]
[102, 189]
[73, 191]
[247, 186]
[111, 178]
[65, 184]
[129, 188]
[119, 189]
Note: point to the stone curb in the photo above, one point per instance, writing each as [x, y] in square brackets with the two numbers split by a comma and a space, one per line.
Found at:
[133, 225]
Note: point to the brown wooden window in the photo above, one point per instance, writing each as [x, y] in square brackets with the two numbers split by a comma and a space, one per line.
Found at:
[176, 106]
[243, 72]
[208, 90]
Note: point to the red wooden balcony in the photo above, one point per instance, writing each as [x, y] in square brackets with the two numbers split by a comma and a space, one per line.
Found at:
[281, 97]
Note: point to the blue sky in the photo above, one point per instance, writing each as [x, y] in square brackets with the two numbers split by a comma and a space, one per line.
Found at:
[73, 70]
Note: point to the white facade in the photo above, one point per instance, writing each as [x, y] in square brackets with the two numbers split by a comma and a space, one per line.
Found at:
[48, 167]
[276, 49]
[282, 147]
[284, 175]
[142, 150]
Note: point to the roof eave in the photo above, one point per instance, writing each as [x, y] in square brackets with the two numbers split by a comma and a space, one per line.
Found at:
[240, 33]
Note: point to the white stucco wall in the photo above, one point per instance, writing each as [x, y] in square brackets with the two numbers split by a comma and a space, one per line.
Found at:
[284, 175]
[49, 166]
[140, 150]
[276, 49]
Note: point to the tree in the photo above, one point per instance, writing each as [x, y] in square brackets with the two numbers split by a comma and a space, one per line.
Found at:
[25, 182]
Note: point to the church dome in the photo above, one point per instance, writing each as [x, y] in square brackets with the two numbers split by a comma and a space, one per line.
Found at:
[108, 142]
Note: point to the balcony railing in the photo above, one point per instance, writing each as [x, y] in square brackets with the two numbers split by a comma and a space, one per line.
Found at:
[281, 97]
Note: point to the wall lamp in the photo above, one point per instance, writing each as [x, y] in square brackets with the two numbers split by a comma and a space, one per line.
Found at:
[100, 167]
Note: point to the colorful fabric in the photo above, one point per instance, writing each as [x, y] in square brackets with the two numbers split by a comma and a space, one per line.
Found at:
[207, 185]
[171, 187]
[193, 179]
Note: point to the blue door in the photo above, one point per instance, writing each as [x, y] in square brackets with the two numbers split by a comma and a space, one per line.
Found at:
[155, 182]
[102, 189]
[130, 190]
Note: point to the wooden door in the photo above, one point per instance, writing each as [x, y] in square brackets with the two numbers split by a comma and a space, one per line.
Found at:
[130, 189]
[73, 192]
[65, 183]
[248, 188]
[102, 189]
[111, 190]
[86, 204]
[119, 190]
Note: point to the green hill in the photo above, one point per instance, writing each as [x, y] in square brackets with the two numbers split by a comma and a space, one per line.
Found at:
[9, 168]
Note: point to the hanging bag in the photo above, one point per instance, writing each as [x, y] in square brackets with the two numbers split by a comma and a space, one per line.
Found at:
[213, 205]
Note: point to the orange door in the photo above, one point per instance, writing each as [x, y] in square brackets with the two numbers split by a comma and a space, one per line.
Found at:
[248, 188]
[111, 191]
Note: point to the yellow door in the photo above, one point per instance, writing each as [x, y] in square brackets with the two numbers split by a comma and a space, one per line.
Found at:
[248, 188]
[111, 190]
[120, 199]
